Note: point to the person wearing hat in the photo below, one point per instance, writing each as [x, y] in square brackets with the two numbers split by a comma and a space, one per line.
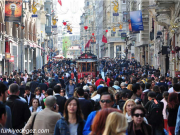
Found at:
[97, 96]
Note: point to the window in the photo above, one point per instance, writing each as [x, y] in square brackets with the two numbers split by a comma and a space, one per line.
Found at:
[119, 33]
[113, 33]
[87, 3]
[124, 17]
[123, 1]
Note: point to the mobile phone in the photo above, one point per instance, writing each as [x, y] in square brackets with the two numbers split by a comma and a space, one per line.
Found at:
[54, 107]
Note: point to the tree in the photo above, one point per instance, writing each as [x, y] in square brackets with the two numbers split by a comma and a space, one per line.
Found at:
[66, 45]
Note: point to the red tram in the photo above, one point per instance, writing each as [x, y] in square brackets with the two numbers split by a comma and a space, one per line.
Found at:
[86, 65]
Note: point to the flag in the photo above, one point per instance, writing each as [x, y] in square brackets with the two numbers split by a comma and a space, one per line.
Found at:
[104, 39]
[59, 1]
[88, 43]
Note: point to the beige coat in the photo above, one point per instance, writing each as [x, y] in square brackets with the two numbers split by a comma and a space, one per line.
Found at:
[45, 120]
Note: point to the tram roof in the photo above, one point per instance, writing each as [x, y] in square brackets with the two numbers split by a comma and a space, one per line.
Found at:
[85, 60]
[87, 56]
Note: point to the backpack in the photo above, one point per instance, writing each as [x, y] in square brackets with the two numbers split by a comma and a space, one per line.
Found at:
[144, 97]
[155, 116]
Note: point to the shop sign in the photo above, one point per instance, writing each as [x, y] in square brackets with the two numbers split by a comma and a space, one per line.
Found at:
[7, 56]
[12, 59]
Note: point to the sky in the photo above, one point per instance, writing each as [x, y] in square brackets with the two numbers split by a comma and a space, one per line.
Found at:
[71, 10]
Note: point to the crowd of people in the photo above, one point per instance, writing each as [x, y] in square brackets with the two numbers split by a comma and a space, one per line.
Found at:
[124, 99]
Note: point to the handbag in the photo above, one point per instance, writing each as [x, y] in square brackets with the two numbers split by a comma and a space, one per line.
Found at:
[31, 129]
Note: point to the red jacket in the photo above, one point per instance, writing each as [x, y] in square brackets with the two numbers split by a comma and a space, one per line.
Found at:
[98, 81]
[108, 80]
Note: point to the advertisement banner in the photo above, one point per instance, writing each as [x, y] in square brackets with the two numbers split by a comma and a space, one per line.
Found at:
[7, 56]
[13, 10]
[12, 59]
[136, 20]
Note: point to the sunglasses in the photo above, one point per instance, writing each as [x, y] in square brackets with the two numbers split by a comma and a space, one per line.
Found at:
[137, 115]
[107, 101]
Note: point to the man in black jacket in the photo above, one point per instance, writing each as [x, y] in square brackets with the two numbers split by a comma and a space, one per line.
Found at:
[34, 84]
[60, 100]
[81, 84]
[28, 95]
[52, 84]
[43, 86]
[19, 109]
[85, 105]
[155, 116]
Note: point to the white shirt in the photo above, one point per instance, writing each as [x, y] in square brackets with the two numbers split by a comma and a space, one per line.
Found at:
[90, 82]
[164, 109]
[28, 98]
[38, 109]
[25, 78]
[97, 97]
[171, 90]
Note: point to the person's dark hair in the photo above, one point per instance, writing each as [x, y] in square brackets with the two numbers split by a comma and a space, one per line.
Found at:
[2, 109]
[148, 85]
[78, 113]
[62, 89]
[175, 80]
[111, 83]
[152, 94]
[156, 88]
[162, 78]
[135, 87]
[80, 91]
[100, 77]
[27, 88]
[138, 107]
[13, 88]
[165, 95]
[49, 91]
[3, 88]
[172, 100]
[176, 87]
[4, 79]
[134, 80]
[57, 88]
[106, 93]
[162, 88]
[37, 88]
[142, 85]
[35, 99]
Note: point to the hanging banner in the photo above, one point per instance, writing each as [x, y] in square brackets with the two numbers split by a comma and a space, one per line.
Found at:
[12, 59]
[93, 40]
[136, 20]
[13, 10]
[115, 8]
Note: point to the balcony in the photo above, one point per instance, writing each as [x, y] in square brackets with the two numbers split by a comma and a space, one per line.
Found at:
[115, 39]
[165, 3]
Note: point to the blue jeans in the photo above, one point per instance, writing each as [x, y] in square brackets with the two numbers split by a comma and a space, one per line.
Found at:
[70, 95]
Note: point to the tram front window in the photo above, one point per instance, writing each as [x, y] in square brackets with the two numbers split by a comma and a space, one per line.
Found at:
[84, 67]
[88, 67]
